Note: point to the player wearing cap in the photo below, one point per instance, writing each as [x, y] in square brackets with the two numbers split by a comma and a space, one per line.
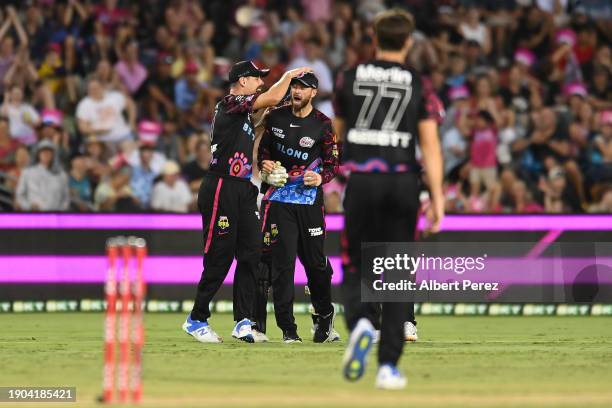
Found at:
[383, 106]
[297, 154]
[227, 201]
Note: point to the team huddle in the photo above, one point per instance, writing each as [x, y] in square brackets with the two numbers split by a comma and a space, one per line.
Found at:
[381, 106]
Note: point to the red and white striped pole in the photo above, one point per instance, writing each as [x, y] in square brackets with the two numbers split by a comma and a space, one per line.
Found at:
[139, 291]
[124, 322]
[110, 289]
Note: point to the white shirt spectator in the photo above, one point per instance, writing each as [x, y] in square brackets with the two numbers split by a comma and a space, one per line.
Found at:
[175, 198]
[453, 149]
[106, 114]
[22, 120]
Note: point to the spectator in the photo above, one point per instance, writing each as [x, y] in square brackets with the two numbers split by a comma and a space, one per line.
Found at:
[148, 139]
[483, 160]
[472, 29]
[129, 70]
[43, 186]
[8, 146]
[115, 194]
[100, 114]
[171, 194]
[558, 196]
[196, 169]
[80, 186]
[143, 175]
[160, 87]
[23, 118]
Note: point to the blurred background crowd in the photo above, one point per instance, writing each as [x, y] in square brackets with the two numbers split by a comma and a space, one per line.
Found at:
[107, 105]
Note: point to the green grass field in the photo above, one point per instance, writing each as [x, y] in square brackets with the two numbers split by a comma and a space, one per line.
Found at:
[458, 362]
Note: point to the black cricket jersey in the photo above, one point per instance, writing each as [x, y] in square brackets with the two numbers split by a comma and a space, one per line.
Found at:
[382, 103]
[299, 144]
[233, 136]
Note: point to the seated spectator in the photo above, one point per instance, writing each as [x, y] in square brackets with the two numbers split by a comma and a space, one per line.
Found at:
[171, 194]
[196, 169]
[22, 162]
[97, 159]
[43, 186]
[8, 146]
[115, 194]
[603, 205]
[51, 128]
[148, 135]
[23, 118]
[80, 186]
[559, 197]
[100, 114]
[483, 159]
[143, 175]
[160, 88]
[472, 29]
[130, 71]
[523, 199]
[600, 151]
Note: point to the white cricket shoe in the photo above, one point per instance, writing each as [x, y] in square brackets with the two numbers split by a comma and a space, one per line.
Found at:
[259, 337]
[389, 378]
[242, 331]
[201, 331]
[359, 346]
[410, 332]
[376, 338]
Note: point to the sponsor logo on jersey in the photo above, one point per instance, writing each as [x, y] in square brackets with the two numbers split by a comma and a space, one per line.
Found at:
[306, 141]
[292, 125]
[379, 137]
[291, 152]
[274, 230]
[315, 232]
[223, 222]
[267, 238]
[246, 128]
[373, 73]
[278, 132]
[213, 148]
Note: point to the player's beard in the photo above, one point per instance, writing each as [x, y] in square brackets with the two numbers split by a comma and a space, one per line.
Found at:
[299, 105]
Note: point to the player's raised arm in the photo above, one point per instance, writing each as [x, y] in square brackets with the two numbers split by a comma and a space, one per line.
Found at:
[277, 91]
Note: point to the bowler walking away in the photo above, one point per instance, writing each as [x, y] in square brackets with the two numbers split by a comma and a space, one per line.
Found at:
[383, 106]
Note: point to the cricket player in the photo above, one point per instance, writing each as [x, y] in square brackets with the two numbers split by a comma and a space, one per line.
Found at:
[382, 106]
[297, 154]
[228, 201]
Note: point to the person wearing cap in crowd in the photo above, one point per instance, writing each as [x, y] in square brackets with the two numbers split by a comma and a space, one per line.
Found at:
[227, 201]
[148, 135]
[171, 193]
[160, 87]
[299, 140]
[50, 128]
[44, 185]
[144, 168]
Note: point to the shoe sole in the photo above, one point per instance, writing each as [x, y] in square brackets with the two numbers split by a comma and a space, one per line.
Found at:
[247, 339]
[412, 339]
[390, 388]
[354, 367]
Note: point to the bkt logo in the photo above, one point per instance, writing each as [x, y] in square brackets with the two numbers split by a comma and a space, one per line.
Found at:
[291, 152]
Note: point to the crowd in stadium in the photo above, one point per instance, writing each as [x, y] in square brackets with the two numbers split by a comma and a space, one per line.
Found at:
[106, 105]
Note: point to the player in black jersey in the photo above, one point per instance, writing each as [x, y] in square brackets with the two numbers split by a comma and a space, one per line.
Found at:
[299, 140]
[228, 201]
[381, 107]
